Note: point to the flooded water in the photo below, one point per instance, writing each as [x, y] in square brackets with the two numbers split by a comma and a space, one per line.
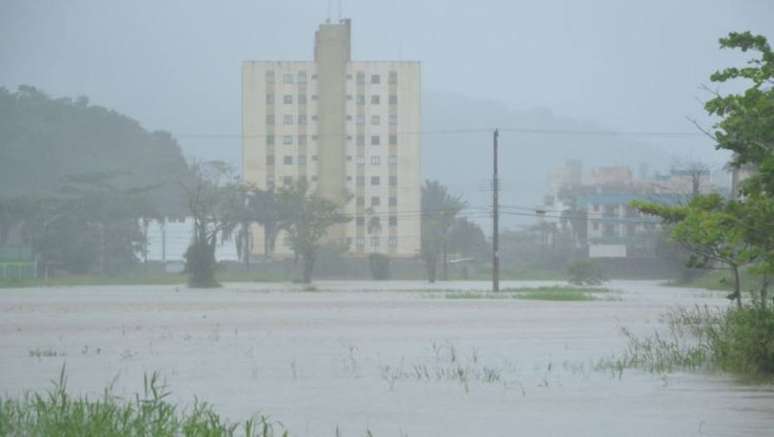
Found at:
[373, 356]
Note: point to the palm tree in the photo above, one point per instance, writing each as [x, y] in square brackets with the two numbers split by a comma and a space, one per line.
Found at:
[439, 210]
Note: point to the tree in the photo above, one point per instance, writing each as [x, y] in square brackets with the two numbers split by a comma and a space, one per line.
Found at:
[439, 209]
[309, 216]
[210, 193]
[709, 229]
[746, 128]
[467, 239]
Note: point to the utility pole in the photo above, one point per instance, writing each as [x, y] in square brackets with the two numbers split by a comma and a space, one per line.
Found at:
[495, 219]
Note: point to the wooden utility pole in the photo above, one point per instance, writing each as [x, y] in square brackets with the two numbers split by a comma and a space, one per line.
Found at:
[495, 219]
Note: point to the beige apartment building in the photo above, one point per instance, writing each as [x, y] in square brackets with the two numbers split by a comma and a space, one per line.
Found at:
[350, 129]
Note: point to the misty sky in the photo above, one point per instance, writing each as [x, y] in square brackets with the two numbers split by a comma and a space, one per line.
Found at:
[175, 65]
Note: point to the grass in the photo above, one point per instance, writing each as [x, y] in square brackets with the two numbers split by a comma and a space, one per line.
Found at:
[735, 340]
[57, 413]
[554, 293]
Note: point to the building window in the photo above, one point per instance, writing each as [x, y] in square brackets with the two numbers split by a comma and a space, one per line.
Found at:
[287, 180]
[360, 201]
[361, 160]
[314, 178]
[360, 119]
[270, 119]
[393, 99]
[269, 140]
[349, 76]
[376, 120]
[631, 229]
[302, 77]
[375, 160]
[270, 76]
[595, 225]
[374, 241]
[314, 77]
[269, 159]
[393, 119]
[360, 181]
[287, 139]
[393, 220]
[287, 119]
[349, 96]
[349, 157]
[393, 201]
[302, 99]
[315, 118]
[375, 180]
[287, 99]
[314, 97]
[302, 119]
[374, 100]
[302, 140]
[393, 140]
[375, 79]
[393, 78]
[287, 78]
[360, 221]
[394, 159]
[375, 140]
[314, 157]
[287, 160]
[361, 140]
[360, 77]
[269, 99]
[360, 99]
[301, 159]
[393, 181]
[376, 201]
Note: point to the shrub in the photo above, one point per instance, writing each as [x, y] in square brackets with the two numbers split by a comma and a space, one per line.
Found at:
[585, 272]
[380, 266]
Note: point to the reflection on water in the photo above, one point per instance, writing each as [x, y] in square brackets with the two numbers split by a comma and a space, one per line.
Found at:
[396, 363]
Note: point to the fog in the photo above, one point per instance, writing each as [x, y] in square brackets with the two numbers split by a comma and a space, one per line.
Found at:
[315, 243]
[634, 66]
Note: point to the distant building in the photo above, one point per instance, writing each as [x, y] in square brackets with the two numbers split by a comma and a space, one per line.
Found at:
[350, 129]
[597, 210]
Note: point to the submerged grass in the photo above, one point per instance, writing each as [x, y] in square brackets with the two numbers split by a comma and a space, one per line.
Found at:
[57, 413]
[555, 293]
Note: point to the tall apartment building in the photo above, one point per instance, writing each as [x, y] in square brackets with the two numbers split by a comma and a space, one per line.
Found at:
[349, 128]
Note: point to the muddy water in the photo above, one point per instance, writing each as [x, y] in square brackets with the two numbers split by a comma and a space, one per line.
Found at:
[371, 356]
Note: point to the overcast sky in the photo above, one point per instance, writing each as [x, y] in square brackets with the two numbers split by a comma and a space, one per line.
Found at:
[175, 65]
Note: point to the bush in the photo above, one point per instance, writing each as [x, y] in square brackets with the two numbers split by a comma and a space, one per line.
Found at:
[200, 265]
[380, 266]
[743, 341]
[585, 272]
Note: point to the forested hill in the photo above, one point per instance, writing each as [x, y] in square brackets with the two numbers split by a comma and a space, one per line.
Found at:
[44, 142]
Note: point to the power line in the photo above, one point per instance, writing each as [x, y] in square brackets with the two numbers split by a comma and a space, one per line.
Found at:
[460, 131]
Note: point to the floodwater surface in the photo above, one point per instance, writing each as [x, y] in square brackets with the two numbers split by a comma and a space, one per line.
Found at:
[363, 356]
